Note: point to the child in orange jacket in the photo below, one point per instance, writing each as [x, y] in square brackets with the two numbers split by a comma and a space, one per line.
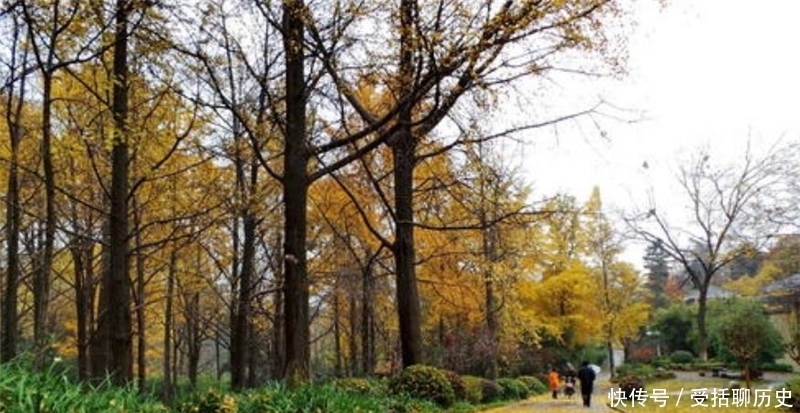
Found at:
[553, 379]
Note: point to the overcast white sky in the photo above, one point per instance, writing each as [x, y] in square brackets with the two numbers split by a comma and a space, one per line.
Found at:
[705, 72]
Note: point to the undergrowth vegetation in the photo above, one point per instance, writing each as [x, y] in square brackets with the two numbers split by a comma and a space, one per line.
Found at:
[419, 389]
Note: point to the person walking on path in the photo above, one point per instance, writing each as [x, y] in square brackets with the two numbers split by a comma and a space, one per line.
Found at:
[586, 376]
[553, 379]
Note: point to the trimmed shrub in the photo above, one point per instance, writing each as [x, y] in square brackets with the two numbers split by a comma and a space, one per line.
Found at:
[535, 386]
[490, 391]
[424, 382]
[662, 374]
[661, 361]
[358, 385]
[513, 389]
[630, 384]
[457, 383]
[474, 388]
[681, 357]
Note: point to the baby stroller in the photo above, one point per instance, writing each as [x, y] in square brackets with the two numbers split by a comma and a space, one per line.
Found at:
[569, 384]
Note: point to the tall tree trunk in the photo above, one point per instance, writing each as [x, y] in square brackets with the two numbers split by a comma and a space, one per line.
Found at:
[337, 339]
[407, 294]
[611, 364]
[83, 270]
[140, 302]
[169, 324]
[702, 332]
[252, 357]
[490, 253]
[218, 354]
[13, 114]
[240, 336]
[367, 322]
[295, 197]
[403, 146]
[278, 336]
[116, 306]
[79, 272]
[194, 336]
[41, 288]
[491, 327]
[352, 314]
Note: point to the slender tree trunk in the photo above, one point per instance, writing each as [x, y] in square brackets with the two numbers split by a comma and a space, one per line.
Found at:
[193, 336]
[295, 196]
[90, 291]
[218, 354]
[702, 332]
[747, 374]
[611, 364]
[169, 388]
[352, 342]
[252, 357]
[367, 322]
[278, 336]
[492, 324]
[403, 146]
[607, 304]
[241, 329]
[176, 362]
[78, 268]
[115, 316]
[491, 327]
[41, 290]
[337, 340]
[13, 114]
[141, 302]
[407, 293]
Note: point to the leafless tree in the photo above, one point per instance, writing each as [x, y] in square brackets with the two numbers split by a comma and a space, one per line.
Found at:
[725, 205]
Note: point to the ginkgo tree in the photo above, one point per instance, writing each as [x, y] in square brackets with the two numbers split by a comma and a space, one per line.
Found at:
[621, 298]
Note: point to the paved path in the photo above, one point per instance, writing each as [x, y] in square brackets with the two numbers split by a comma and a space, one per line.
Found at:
[545, 403]
[600, 396]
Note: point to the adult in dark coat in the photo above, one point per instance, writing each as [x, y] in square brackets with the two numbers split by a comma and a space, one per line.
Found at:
[586, 376]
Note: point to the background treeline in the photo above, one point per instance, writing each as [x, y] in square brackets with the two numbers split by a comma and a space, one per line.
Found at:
[288, 190]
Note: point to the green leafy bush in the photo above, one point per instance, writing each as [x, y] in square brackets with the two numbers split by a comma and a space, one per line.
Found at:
[457, 383]
[513, 389]
[793, 386]
[681, 357]
[211, 401]
[778, 367]
[424, 382]
[534, 385]
[474, 388]
[662, 361]
[490, 391]
[737, 324]
[405, 404]
[359, 385]
[639, 370]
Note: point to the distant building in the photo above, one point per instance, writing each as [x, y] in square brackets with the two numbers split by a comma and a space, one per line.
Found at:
[782, 296]
[714, 293]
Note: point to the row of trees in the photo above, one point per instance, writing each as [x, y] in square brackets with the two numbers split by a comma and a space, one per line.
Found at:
[251, 174]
